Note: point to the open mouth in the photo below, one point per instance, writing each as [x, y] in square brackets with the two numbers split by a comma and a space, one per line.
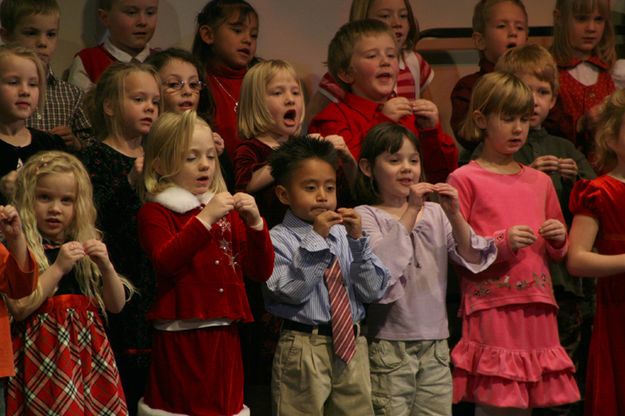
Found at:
[511, 45]
[385, 76]
[53, 221]
[289, 117]
[185, 105]
[244, 51]
[405, 181]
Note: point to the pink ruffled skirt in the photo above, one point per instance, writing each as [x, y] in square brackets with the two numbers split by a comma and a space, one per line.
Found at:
[511, 356]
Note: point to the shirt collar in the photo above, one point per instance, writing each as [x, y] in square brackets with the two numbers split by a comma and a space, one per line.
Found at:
[124, 56]
[362, 105]
[595, 60]
[51, 79]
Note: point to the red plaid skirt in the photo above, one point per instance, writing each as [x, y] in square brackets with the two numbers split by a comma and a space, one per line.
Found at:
[64, 363]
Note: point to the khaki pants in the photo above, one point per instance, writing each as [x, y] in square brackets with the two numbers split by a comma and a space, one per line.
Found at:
[410, 378]
[309, 380]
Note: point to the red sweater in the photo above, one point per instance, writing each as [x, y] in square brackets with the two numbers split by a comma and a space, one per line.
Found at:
[16, 284]
[353, 117]
[199, 272]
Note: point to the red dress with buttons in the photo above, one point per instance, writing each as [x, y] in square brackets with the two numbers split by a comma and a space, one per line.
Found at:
[199, 275]
[575, 100]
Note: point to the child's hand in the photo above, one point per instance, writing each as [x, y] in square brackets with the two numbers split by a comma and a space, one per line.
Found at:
[396, 108]
[553, 231]
[418, 193]
[7, 184]
[245, 204]
[11, 226]
[324, 221]
[72, 142]
[568, 169]
[520, 236]
[547, 163]
[352, 222]
[220, 205]
[339, 144]
[426, 113]
[69, 254]
[98, 253]
[219, 143]
[448, 198]
[135, 172]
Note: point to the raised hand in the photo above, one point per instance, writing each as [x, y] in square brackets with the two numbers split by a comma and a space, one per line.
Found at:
[520, 236]
[418, 193]
[554, 231]
[396, 108]
[426, 113]
[10, 224]
[448, 198]
[69, 254]
[218, 207]
[324, 221]
[219, 143]
[245, 204]
[135, 172]
[352, 222]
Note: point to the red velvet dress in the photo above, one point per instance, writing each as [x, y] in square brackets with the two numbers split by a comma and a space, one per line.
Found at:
[603, 199]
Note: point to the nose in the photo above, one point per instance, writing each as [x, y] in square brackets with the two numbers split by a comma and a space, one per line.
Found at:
[203, 164]
[24, 89]
[142, 19]
[322, 195]
[54, 206]
[186, 89]
[42, 41]
[395, 21]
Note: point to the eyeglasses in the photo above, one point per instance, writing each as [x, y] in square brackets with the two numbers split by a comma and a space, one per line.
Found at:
[195, 86]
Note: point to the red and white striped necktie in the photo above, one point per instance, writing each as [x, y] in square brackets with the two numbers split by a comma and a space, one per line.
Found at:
[343, 338]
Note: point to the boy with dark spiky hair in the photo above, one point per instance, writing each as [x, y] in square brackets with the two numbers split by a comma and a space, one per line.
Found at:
[324, 272]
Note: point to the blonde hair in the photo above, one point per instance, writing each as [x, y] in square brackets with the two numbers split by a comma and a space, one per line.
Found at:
[611, 118]
[360, 10]
[531, 59]
[341, 46]
[253, 116]
[110, 89]
[496, 93]
[11, 50]
[567, 9]
[166, 147]
[81, 228]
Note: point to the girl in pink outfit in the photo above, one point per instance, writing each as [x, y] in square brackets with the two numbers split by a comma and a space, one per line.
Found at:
[509, 359]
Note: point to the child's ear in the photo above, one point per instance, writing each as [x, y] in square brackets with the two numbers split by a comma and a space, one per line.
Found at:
[478, 40]
[346, 76]
[206, 34]
[108, 108]
[479, 119]
[365, 167]
[4, 35]
[282, 194]
[103, 15]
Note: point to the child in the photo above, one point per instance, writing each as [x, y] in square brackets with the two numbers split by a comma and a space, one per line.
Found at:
[201, 241]
[362, 56]
[321, 364]
[182, 77]
[584, 49]
[564, 164]
[498, 25]
[130, 25]
[509, 359]
[225, 42]
[63, 360]
[124, 104]
[34, 24]
[23, 90]
[18, 278]
[408, 331]
[415, 74]
[597, 247]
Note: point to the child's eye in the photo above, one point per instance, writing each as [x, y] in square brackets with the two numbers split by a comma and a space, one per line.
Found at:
[67, 201]
[52, 35]
[520, 28]
[43, 197]
[254, 35]
[151, 11]
[138, 99]
[310, 188]
[330, 188]
[544, 91]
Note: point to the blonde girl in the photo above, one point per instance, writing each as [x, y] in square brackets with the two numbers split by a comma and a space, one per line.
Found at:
[201, 241]
[598, 251]
[61, 342]
[584, 49]
[509, 359]
[22, 91]
[414, 238]
[415, 74]
[124, 104]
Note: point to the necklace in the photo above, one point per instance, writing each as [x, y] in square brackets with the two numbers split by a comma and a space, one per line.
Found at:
[236, 103]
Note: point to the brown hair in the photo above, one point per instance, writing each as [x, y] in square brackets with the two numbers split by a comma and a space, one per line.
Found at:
[611, 118]
[531, 59]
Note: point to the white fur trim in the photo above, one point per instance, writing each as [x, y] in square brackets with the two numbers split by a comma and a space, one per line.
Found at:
[180, 200]
[145, 410]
